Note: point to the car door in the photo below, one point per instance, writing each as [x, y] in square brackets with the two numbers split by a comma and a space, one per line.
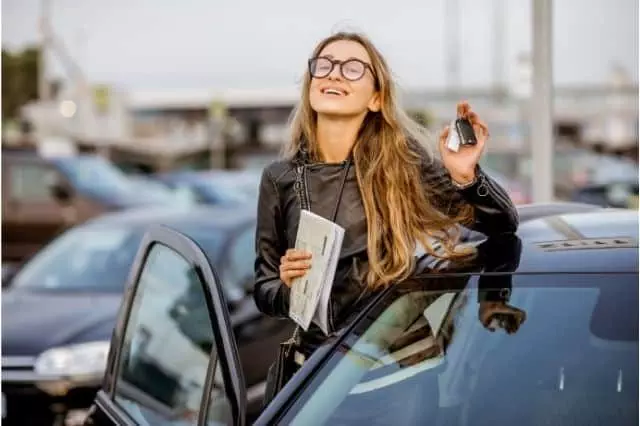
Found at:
[173, 360]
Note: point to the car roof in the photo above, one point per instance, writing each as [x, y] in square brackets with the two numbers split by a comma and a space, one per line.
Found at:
[585, 239]
[553, 238]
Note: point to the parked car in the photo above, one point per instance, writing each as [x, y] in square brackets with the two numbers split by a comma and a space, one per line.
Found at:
[43, 196]
[217, 186]
[541, 329]
[59, 309]
[619, 194]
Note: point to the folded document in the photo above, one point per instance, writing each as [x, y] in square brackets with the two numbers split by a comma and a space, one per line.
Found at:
[310, 294]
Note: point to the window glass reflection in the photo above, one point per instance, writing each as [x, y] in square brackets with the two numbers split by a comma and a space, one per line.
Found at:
[168, 343]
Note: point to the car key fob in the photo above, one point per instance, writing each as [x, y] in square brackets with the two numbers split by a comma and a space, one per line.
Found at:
[466, 135]
[463, 134]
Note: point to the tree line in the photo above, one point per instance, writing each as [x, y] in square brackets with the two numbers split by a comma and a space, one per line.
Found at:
[19, 80]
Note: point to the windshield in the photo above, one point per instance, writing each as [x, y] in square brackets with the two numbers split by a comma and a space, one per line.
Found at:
[486, 354]
[94, 259]
[97, 258]
[95, 175]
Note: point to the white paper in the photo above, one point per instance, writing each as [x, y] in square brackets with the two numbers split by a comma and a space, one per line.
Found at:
[453, 141]
[310, 294]
[322, 312]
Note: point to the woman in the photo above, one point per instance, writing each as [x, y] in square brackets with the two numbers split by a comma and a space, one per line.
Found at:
[363, 165]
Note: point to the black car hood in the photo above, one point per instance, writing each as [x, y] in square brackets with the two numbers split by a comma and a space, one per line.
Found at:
[34, 322]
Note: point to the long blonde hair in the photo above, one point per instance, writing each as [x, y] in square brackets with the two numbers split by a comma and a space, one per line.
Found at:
[397, 205]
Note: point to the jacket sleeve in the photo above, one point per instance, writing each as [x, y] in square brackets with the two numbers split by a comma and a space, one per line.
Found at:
[270, 293]
[493, 210]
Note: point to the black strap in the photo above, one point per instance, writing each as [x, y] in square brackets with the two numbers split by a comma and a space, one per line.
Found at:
[345, 174]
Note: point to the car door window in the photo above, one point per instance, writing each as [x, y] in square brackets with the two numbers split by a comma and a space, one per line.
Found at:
[31, 182]
[168, 344]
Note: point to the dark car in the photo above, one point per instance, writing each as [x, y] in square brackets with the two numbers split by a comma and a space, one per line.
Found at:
[219, 187]
[59, 310]
[542, 328]
[42, 196]
[619, 194]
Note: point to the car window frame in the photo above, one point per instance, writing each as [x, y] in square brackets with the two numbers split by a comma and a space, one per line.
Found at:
[225, 351]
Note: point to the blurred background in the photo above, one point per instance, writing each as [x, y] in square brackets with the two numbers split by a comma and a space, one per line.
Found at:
[111, 107]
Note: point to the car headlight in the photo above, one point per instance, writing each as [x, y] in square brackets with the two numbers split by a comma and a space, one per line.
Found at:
[81, 360]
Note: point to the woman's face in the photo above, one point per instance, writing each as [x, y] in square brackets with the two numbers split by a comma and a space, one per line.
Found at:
[350, 92]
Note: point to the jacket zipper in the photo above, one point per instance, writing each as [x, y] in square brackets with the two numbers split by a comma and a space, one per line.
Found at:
[305, 188]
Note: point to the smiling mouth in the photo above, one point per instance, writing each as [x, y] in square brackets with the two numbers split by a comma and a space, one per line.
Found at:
[334, 92]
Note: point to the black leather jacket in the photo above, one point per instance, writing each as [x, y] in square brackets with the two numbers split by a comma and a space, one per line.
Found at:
[279, 212]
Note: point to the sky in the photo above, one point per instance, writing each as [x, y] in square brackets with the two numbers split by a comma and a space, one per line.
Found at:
[148, 44]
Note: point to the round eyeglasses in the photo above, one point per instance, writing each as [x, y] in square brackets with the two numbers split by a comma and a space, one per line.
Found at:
[351, 69]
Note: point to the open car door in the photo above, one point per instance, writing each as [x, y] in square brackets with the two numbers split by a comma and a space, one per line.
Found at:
[173, 358]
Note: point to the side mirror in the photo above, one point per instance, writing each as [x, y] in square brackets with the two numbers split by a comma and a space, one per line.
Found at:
[61, 192]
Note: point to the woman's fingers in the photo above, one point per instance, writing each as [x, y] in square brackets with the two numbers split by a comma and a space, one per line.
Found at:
[463, 109]
[444, 134]
[294, 254]
[294, 264]
[288, 276]
[298, 265]
[478, 125]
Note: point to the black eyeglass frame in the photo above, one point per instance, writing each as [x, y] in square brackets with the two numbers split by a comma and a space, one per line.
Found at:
[335, 62]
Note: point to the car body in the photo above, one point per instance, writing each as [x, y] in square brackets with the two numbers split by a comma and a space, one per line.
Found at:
[219, 187]
[542, 328]
[65, 301]
[42, 196]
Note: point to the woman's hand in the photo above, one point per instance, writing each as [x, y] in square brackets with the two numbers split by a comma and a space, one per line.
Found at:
[508, 317]
[294, 264]
[462, 164]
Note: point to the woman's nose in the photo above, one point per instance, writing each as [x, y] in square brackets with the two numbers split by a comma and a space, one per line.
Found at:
[335, 73]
